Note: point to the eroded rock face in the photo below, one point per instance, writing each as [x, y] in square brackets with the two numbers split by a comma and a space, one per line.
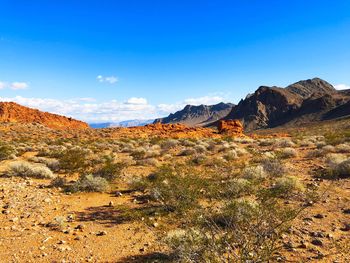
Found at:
[231, 127]
[11, 112]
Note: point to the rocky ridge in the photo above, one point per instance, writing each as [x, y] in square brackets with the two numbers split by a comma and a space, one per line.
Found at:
[11, 112]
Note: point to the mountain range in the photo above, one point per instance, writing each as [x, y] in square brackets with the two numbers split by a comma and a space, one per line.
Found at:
[127, 123]
[201, 115]
[302, 102]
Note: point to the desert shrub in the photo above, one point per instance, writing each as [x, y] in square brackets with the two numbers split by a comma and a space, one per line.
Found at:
[243, 230]
[54, 151]
[187, 143]
[199, 159]
[138, 153]
[53, 164]
[285, 143]
[109, 170]
[25, 169]
[89, 183]
[169, 144]
[148, 162]
[266, 142]
[334, 159]
[237, 187]
[287, 153]
[320, 145]
[187, 152]
[176, 189]
[241, 151]
[6, 152]
[231, 155]
[342, 148]
[269, 155]
[58, 182]
[200, 148]
[315, 153]
[151, 153]
[328, 149]
[73, 160]
[306, 143]
[254, 173]
[338, 137]
[341, 169]
[274, 167]
[287, 186]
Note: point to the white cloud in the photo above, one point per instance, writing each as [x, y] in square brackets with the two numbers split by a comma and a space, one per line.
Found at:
[208, 100]
[136, 101]
[3, 85]
[89, 110]
[110, 79]
[341, 86]
[19, 85]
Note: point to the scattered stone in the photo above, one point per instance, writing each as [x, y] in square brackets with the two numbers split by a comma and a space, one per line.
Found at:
[111, 204]
[317, 242]
[101, 233]
[319, 216]
[346, 227]
[346, 211]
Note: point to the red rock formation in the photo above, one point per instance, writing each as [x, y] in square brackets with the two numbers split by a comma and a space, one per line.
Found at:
[231, 127]
[11, 112]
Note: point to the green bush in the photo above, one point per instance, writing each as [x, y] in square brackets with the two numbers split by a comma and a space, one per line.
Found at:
[89, 183]
[73, 160]
[110, 170]
[6, 151]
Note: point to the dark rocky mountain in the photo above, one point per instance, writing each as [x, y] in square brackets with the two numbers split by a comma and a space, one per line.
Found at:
[304, 101]
[202, 115]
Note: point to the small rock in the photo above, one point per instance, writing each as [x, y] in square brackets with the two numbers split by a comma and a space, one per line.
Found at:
[101, 233]
[155, 224]
[80, 227]
[346, 211]
[346, 227]
[317, 242]
[111, 204]
[47, 200]
[319, 216]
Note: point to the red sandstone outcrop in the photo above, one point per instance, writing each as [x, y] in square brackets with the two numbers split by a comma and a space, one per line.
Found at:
[231, 127]
[11, 112]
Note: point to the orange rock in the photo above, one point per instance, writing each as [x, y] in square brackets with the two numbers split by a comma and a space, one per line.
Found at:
[231, 127]
[11, 112]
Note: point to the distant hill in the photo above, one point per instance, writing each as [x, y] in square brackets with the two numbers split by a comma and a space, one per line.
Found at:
[201, 115]
[11, 112]
[302, 102]
[127, 123]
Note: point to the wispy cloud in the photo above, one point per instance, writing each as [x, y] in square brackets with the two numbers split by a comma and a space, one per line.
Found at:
[16, 85]
[3, 85]
[137, 101]
[110, 79]
[19, 85]
[204, 100]
[341, 86]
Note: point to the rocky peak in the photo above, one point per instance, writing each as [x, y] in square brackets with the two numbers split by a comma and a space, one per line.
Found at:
[307, 88]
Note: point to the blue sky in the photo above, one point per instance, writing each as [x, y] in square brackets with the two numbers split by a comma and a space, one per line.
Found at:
[117, 60]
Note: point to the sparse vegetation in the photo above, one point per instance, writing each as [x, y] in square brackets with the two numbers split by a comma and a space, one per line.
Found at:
[25, 169]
